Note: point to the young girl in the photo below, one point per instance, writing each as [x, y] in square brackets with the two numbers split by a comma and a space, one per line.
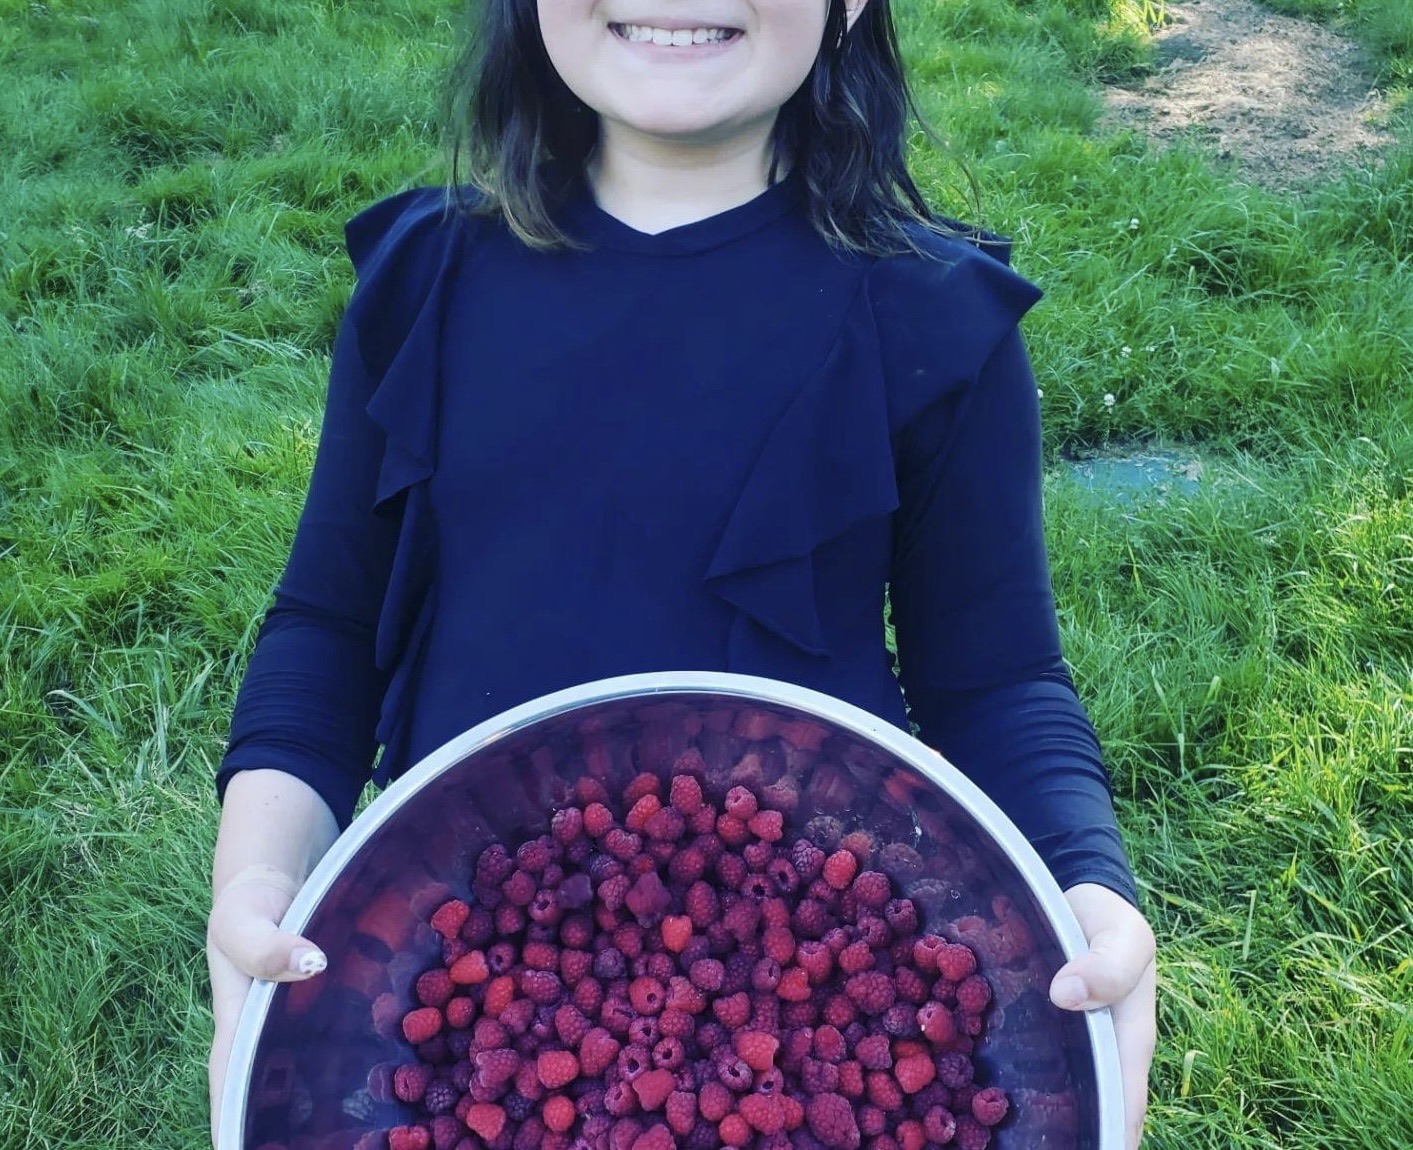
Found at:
[688, 383]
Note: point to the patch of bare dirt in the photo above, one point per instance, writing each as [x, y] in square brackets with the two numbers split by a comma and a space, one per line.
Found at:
[1291, 103]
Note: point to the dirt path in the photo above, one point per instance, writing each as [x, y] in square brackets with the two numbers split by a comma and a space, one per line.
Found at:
[1290, 102]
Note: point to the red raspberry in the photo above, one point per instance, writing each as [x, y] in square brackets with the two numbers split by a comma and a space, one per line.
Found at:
[500, 993]
[989, 1106]
[446, 1132]
[839, 869]
[434, 988]
[409, 1138]
[558, 1113]
[540, 956]
[756, 1050]
[740, 803]
[588, 789]
[496, 1067]
[642, 810]
[939, 1125]
[715, 1101]
[874, 1052]
[901, 916]
[815, 959]
[494, 865]
[621, 844]
[935, 1021]
[448, 919]
[872, 1122]
[914, 1072]
[763, 1112]
[829, 1045]
[687, 865]
[460, 1012]
[598, 820]
[757, 856]
[779, 944]
[648, 899]
[910, 1136]
[955, 960]
[683, 996]
[741, 920]
[732, 831]
[653, 1088]
[872, 991]
[575, 965]
[872, 889]
[819, 1077]
[676, 932]
[971, 1134]
[703, 821]
[685, 794]
[570, 1025]
[851, 1079]
[556, 1068]
[517, 1017]
[831, 1120]
[647, 995]
[541, 987]
[768, 826]
[794, 986]
[642, 784]
[734, 1130]
[486, 1120]
[410, 1082]
[707, 974]
[839, 1010]
[911, 986]
[882, 1091]
[681, 1106]
[597, 1052]
[807, 859]
[654, 1138]
[519, 889]
[702, 905]
[567, 824]
[765, 1015]
[811, 919]
[533, 856]
[665, 826]
[860, 844]
[668, 1053]
[421, 1025]
[856, 958]
[973, 994]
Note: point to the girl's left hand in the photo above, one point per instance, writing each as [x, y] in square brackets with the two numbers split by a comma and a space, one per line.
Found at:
[1118, 972]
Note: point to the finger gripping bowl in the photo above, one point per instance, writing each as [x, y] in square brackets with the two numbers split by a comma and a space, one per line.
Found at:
[312, 1062]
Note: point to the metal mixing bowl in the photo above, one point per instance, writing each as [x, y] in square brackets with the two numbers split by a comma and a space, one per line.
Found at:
[310, 1070]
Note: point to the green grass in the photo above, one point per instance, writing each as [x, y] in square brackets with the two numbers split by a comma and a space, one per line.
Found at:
[174, 176]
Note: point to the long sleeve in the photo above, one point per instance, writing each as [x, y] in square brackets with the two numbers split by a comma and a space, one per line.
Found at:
[978, 643]
[314, 696]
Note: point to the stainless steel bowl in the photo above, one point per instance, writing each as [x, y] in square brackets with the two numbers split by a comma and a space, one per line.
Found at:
[310, 1069]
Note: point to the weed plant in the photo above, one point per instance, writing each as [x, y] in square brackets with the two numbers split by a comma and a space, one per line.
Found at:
[174, 176]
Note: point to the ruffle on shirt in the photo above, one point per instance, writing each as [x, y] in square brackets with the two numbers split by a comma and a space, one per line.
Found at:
[923, 327]
[405, 250]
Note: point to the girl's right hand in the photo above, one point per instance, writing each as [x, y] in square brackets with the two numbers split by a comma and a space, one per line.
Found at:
[244, 942]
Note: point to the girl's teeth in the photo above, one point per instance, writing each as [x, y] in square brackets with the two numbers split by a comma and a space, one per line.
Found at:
[676, 38]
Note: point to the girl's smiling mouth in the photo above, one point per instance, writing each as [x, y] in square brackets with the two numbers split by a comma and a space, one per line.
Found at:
[679, 36]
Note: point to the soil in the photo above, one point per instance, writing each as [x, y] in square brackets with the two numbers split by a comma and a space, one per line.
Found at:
[1290, 103]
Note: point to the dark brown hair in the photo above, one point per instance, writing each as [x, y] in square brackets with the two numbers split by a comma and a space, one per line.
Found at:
[513, 123]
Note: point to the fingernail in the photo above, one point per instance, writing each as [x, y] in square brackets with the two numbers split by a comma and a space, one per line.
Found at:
[306, 961]
[1069, 991]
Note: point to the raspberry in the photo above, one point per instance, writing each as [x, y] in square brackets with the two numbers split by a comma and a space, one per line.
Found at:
[707, 974]
[819, 1077]
[588, 789]
[598, 820]
[715, 1101]
[558, 1113]
[648, 900]
[434, 988]
[860, 844]
[556, 1068]
[653, 1089]
[622, 845]
[567, 825]
[654, 1138]
[570, 1025]
[496, 1067]
[647, 995]
[811, 919]
[954, 960]
[734, 1073]
[939, 1125]
[597, 1052]
[839, 1010]
[641, 811]
[485, 1119]
[665, 826]
[763, 1112]
[935, 1022]
[668, 1053]
[410, 1082]
[681, 1106]
[422, 1024]
[851, 1079]
[973, 994]
[732, 831]
[856, 958]
[755, 1049]
[676, 932]
[872, 889]
[989, 1106]
[768, 826]
[642, 784]
[734, 1130]
[519, 889]
[807, 859]
[541, 987]
[460, 1012]
[914, 1072]
[409, 1138]
[687, 865]
[540, 956]
[971, 1134]
[685, 794]
[500, 992]
[446, 1132]
[874, 1052]
[702, 905]
[882, 1091]
[441, 1096]
[872, 992]
[533, 856]
[448, 919]
[766, 975]
[794, 986]
[839, 869]
[829, 1044]
[574, 965]
[740, 803]
[911, 986]
[831, 1120]
[901, 916]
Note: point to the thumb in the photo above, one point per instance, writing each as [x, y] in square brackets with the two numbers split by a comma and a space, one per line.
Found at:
[1105, 974]
[244, 927]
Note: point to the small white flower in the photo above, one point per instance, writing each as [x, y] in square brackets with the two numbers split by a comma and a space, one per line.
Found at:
[1275, 367]
[140, 231]
[1133, 224]
[1109, 399]
[1125, 351]
[1151, 348]
[1040, 393]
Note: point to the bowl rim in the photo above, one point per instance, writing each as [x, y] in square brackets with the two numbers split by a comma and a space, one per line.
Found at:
[1103, 1041]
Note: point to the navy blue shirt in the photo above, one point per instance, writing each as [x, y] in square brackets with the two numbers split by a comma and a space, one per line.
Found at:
[715, 448]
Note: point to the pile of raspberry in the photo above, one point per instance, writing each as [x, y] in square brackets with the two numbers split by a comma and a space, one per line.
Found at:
[680, 972]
